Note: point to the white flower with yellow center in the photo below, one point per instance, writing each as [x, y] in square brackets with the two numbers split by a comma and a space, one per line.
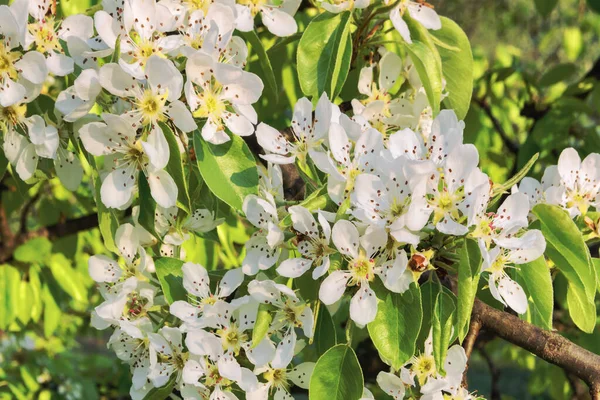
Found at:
[140, 29]
[128, 154]
[308, 134]
[156, 100]
[196, 282]
[131, 344]
[420, 11]
[76, 101]
[24, 154]
[452, 192]
[514, 251]
[104, 269]
[43, 37]
[222, 94]
[263, 248]
[279, 381]
[290, 313]
[343, 163]
[168, 356]
[278, 17]
[363, 265]
[21, 75]
[313, 245]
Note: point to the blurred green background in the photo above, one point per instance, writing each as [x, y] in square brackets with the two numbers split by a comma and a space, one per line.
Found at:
[537, 64]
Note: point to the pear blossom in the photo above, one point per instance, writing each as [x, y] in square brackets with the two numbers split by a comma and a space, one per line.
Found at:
[24, 154]
[270, 181]
[290, 313]
[278, 17]
[344, 165]
[308, 134]
[313, 245]
[130, 153]
[76, 101]
[168, 356]
[262, 250]
[420, 11]
[140, 29]
[344, 5]
[196, 282]
[514, 251]
[278, 381]
[21, 74]
[223, 94]
[155, 101]
[363, 266]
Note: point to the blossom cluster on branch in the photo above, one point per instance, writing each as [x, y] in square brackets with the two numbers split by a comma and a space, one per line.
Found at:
[393, 194]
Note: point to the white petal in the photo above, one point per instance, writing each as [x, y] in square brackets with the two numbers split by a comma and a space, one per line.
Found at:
[156, 148]
[294, 267]
[333, 287]
[103, 269]
[59, 64]
[231, 281]
[363, 306]
[513, 294]
[196, 280]
[391, 385]
[300, 375]
[425, 15]
[400, 24]
[113, 78]
[127, 242]
[163, 188]
[181, 116]
[118, 187]
[285, 350]
[279, 23]
[345, 237]
[27, 163]
[33, 67]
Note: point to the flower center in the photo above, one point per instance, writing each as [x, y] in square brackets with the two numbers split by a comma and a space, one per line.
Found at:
[277, 377]
[578, 199]
[135, 305]
[362, 269]
[423, 367]
[44, 37]
[232, 338]
[7, 60]
[213, 378]
[254, 5]
[199, 5]
[151, 106]
[12, 114]
[211, 105]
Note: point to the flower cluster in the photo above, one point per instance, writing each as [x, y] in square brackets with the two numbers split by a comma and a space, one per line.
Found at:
[391, 190]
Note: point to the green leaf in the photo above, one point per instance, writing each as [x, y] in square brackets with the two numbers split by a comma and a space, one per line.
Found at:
[427, 61]
[596, 264]
[324, 54]
[262, 324]
[325, 334]
[34, 251]
[228, 169]
[175, 169]
[67, 277]
[72, 7]
[9, 287]
[469, 265]
[566, 247]
[164, 391]
[116, 55]
[537, 283]
[582, 311]
[170, 276]
[147, 205]
[457, 65]
[558, 73]
[24, 302]
[107, 220]
[36, 294]
[545, 7]
[268, 76]
[397, 324]
[337, 376]
[51, 312]
[593, 4]
[443, 318]
[3, 164]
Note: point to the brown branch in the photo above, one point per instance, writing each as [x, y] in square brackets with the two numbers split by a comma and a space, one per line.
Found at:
[549, 346]
[61, 229]
[469, 343]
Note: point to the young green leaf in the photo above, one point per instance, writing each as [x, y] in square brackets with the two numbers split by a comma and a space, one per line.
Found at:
[324, 54]
[170, 277]
[325, 333]
[442, 326]
[396, 326]
[147, 205]
[469, 266]
[537, 283]
[566, 247]
[457, 65]
[582, 311]
[175, 169]
[337, 375]
[265, 64]
[9, 286]
[228, 169]
[262, 324]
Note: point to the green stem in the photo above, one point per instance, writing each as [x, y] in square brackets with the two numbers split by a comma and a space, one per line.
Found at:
[349, 331]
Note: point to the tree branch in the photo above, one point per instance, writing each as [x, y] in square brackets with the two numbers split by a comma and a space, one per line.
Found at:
[549, 346]
[469, 342]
